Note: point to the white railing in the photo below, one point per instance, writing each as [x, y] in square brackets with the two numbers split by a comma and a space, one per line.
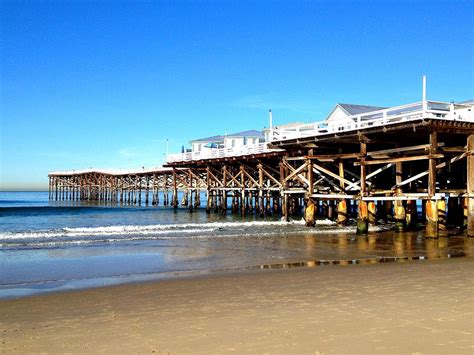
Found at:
[392, 115]
[210, 153]
[116, 172]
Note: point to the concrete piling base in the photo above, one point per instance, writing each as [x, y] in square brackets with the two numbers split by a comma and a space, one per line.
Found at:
[309, 213]
[470, 216]
[400, 217]
[431, 219]
[441, 206]
[372, 213]
[342, 212]
[362, 218]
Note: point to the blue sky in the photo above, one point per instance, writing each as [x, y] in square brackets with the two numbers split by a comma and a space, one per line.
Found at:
[106, 83]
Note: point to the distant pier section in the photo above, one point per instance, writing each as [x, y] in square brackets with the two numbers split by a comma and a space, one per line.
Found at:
[371, 163]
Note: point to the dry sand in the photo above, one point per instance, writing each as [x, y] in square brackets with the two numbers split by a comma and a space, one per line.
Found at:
[423, 306]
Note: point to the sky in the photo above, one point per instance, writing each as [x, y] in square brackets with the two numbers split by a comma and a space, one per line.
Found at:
[111, 84]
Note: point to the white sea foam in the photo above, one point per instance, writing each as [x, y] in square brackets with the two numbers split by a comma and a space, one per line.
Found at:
[117, 230]
[163, 230]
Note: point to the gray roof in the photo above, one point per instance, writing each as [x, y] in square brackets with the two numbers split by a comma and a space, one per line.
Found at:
[218, 139]
[358, 109]
[214, 139]
[252, 133]
[467, 102]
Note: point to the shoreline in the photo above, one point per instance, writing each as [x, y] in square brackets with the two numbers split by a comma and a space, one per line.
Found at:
[385, 307]
[73, 285]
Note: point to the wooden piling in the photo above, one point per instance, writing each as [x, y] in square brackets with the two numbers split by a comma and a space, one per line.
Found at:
[399, 208]
[224, 191]
[190, 182]
[411, 215]
[441, 207]
[431, 219]
[261, 206]
[362, 218]
[147, 189]
[431, 205]
[309, 213]
[470, 187]
[284, 187]
[175, 191]
[372, 213]
[342, 212]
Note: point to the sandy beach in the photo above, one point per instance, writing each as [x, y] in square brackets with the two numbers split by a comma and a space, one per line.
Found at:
[411, 307]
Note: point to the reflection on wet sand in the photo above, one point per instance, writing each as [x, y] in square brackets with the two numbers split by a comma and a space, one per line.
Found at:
[346, 249]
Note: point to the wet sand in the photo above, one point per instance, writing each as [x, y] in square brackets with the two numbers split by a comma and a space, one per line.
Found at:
[422, 306]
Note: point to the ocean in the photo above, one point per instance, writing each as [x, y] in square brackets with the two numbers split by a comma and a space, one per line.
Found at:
[48, 246]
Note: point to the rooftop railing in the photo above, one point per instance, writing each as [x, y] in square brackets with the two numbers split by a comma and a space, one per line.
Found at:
[392, 115]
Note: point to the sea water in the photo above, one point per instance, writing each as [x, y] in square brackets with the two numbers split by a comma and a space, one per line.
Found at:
[50, 246]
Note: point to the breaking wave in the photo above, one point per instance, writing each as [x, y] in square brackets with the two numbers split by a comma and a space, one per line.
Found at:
[159, 231]
[120, 233]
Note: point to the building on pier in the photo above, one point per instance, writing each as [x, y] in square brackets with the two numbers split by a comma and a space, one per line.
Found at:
[227, 141]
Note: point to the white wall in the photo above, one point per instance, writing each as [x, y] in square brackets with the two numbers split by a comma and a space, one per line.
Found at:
[240, 141]
[338, 116]
[233, 142]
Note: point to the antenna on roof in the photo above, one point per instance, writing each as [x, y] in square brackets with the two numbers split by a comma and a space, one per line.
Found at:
[270, 117]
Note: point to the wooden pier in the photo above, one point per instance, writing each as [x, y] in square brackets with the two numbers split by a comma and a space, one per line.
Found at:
[375, 170]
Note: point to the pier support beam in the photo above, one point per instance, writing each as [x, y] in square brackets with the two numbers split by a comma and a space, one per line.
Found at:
[411, 215]
[431, 205]
[175, 191]
[190, 182]
[362, 218]
[261, 206]
[399, 212]
[470, 187]
[224, 191]
[431, 219]
[309, 213]
[400, 216]
[283, 195]
[372, 210]
[362, 215]
[441, 206]
[342, 212]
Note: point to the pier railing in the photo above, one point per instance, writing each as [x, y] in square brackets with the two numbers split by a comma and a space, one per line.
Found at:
[250, 149]
[112, 172]
[392, 115]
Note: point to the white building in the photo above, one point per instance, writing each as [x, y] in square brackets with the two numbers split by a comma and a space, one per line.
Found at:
[203, 144]
[341, 113]
[235, 140]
